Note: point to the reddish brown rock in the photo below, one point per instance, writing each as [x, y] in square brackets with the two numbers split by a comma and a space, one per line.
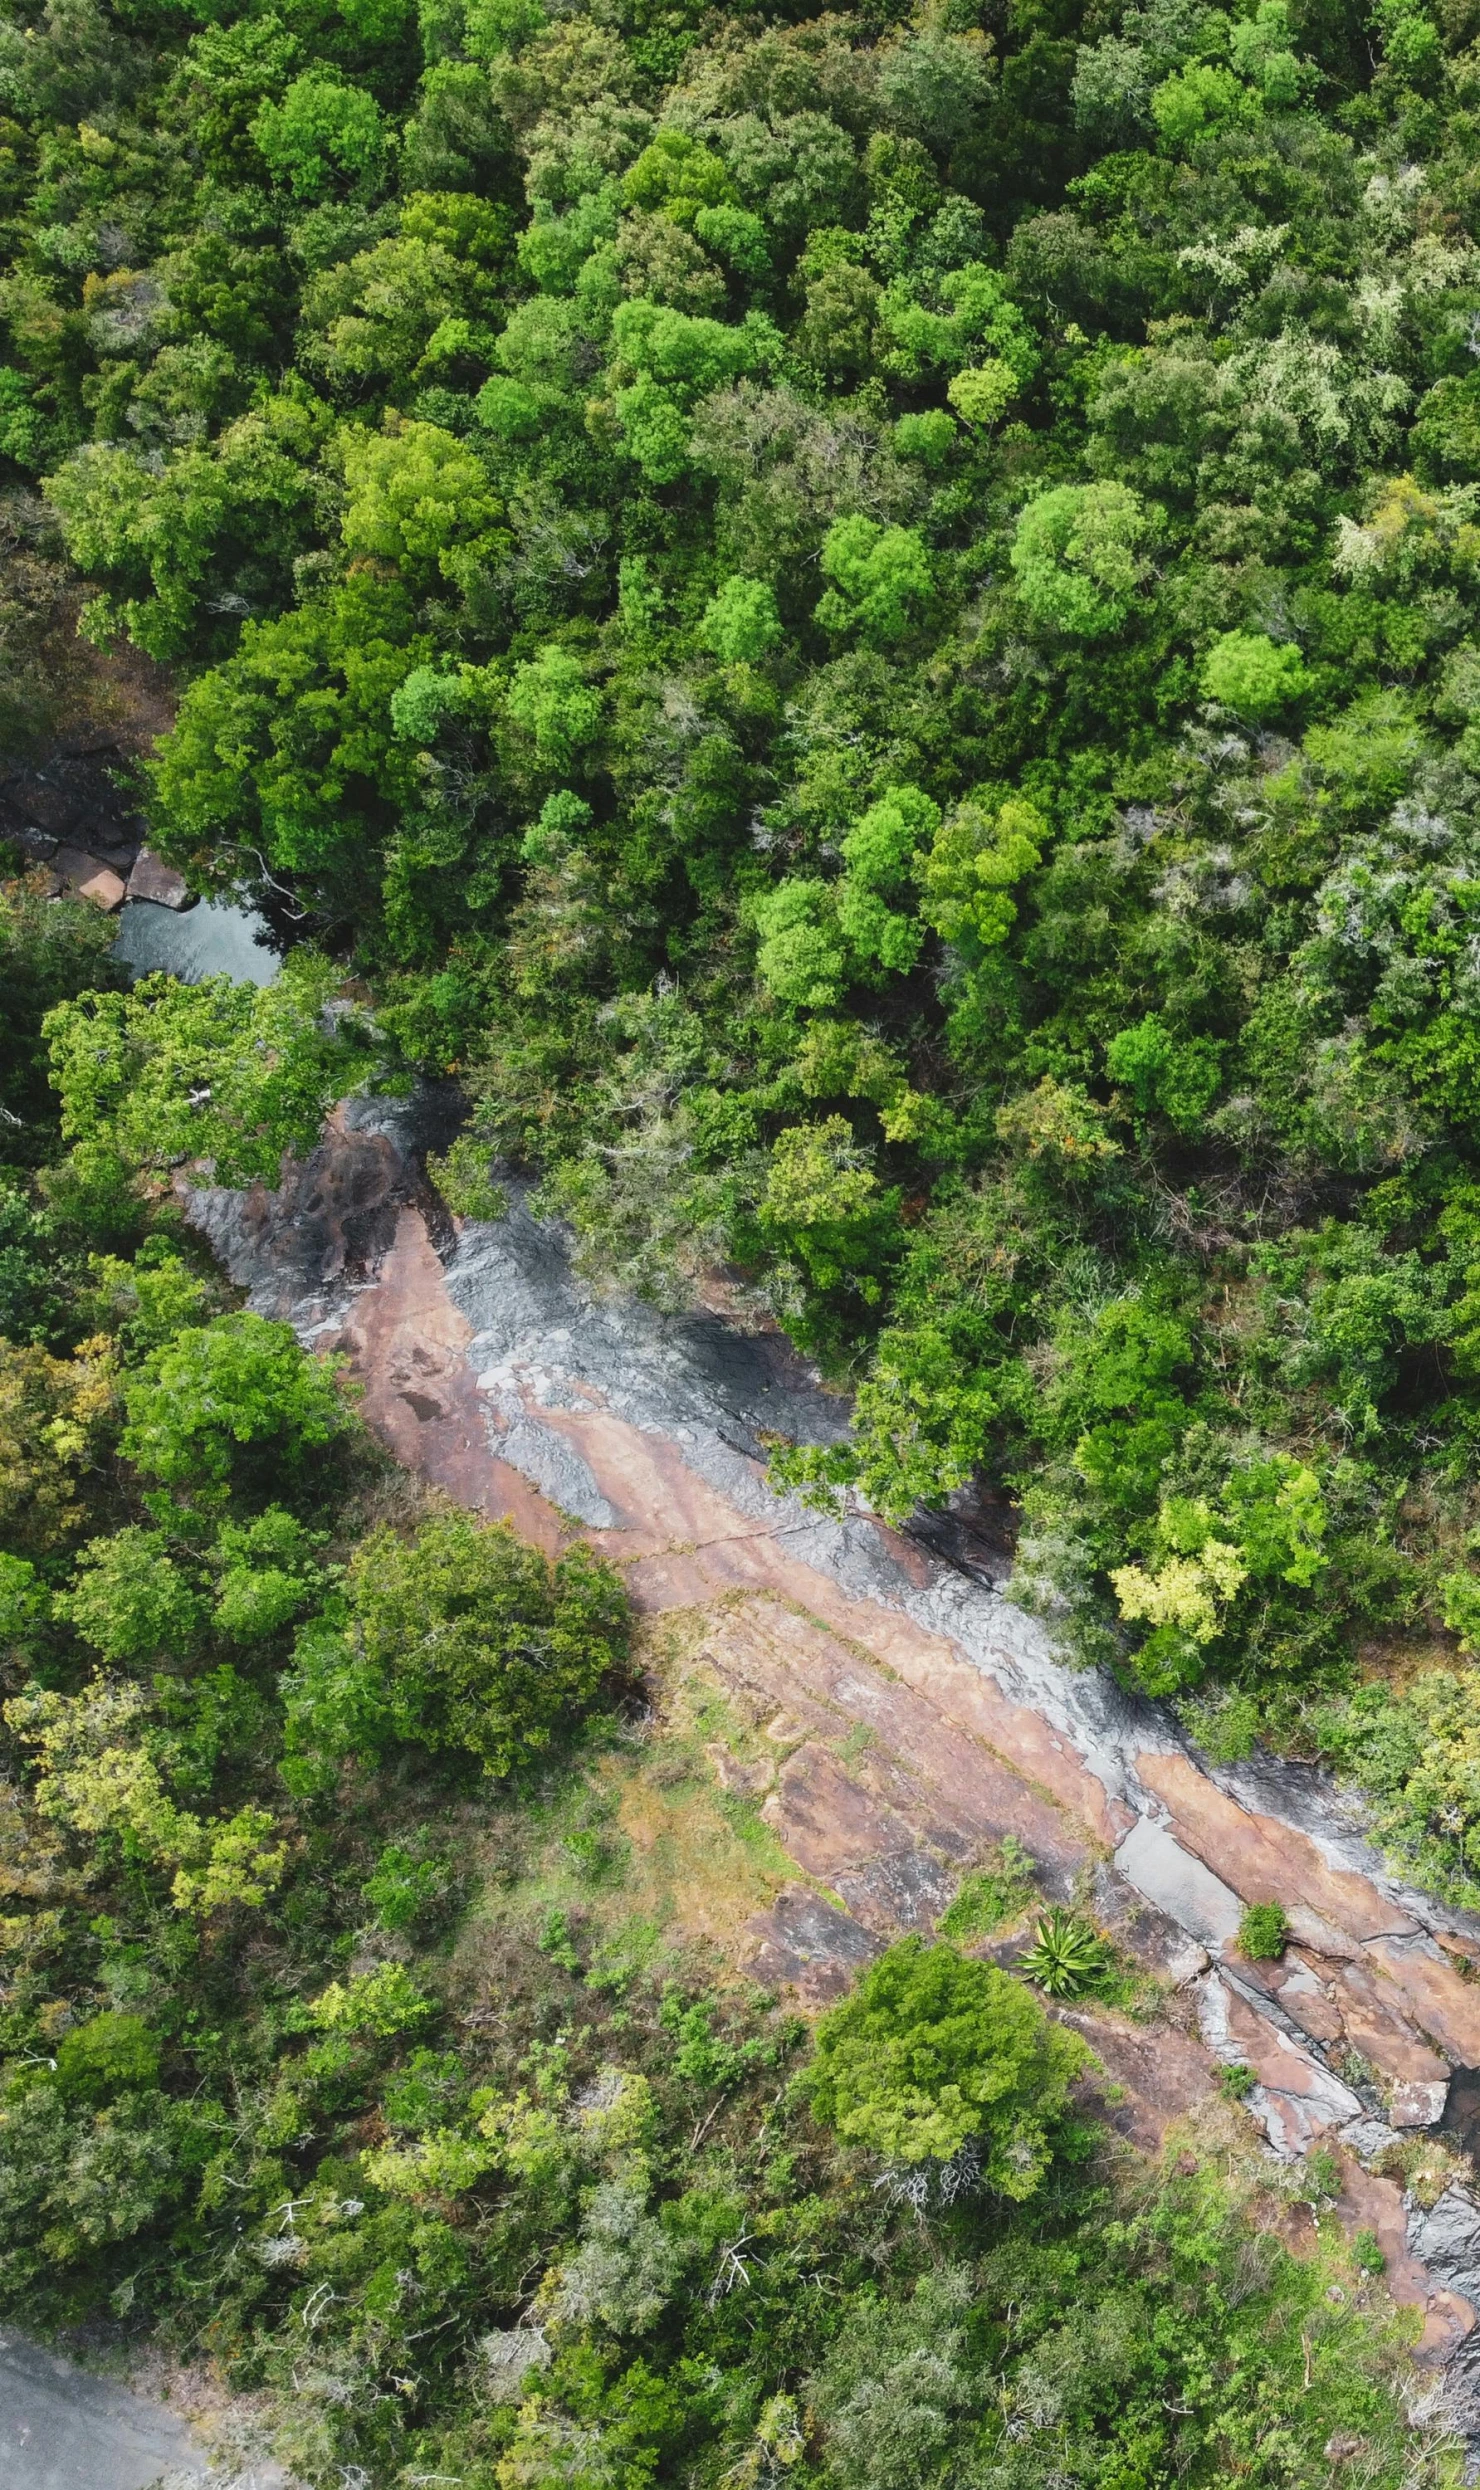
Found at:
[104, 889]
[684, 1543]
[859, 1846]
[1344, 2006]
[1148, 2076]
[1371, 2203]
[1265, 1861]
[741, 1780]
[1302, 2102]
[1296, 1984]
[924, 1764]
[409, 1344]
[1441, 2004]
[1377, 2028]
[88, 877]
[802, 1943]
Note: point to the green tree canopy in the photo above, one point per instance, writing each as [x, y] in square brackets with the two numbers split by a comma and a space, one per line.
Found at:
[463, 1639]
[235, 1405]
[933, 2053]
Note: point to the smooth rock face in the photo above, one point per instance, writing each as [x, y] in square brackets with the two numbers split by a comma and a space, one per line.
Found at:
[804, 1944]
[87, 876]
[154, 880]
[63, 2429]
[76, 798]
[1446, 2241]
[1417, 2105]
[104, 889]
[1154, 1861]
[916, 1715]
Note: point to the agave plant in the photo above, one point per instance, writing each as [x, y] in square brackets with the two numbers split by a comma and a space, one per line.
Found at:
[1066, 1957]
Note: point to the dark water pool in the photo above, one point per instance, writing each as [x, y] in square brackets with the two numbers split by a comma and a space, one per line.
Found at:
[212, 939]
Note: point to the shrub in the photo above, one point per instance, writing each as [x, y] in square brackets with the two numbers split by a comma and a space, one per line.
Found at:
[113, 2053]
[402, 1889]
[1253, 675]
[1078, 557]
[1263, 1932]
[933, 2053]
[378, 2004]
[235, 1404]
[462, 1639]
[990, 1895]
[1066, 1956]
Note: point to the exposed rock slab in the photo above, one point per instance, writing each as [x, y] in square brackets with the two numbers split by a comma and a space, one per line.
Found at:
[1267, 1861]
[1443, 2005]
[88, 877]
[62, 2428]
[1177, 1882]
[104, 889]
[1149, 2076]
[949, 1779]
[1156, 1940]
[888, 1877]
[151, 878]
[803, 1943]
[1299, 2099]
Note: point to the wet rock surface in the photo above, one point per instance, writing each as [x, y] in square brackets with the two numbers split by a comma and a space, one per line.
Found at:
[70, 810]
[906, 1715]
[152, 879]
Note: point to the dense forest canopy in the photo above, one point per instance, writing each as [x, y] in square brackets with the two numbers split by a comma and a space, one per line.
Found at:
[865, 623]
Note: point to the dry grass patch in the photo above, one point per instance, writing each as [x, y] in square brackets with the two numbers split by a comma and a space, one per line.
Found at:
[634, 1851]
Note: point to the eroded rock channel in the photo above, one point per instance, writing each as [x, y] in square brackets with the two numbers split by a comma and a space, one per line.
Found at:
[916, 1715]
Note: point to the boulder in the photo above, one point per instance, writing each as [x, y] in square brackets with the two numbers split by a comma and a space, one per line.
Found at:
[1446, 2239]
[88, 877]
[154, 880]
[104, 889]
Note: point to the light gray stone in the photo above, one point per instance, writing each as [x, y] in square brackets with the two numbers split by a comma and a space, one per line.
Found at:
[1446, 2239]
[1367, 2138]
[61, 2428]
[1417, 2105]
[1155, 1862]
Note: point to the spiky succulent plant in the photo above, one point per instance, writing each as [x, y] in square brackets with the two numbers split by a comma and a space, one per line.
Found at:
[1066, 1956]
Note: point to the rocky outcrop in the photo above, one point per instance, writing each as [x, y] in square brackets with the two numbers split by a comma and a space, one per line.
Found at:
[905, 1716]
[69, 811]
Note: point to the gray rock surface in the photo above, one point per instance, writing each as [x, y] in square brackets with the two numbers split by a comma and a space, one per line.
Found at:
[1152, 1860]
[1446, 2240]
[63, 2429]
[154, 880]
